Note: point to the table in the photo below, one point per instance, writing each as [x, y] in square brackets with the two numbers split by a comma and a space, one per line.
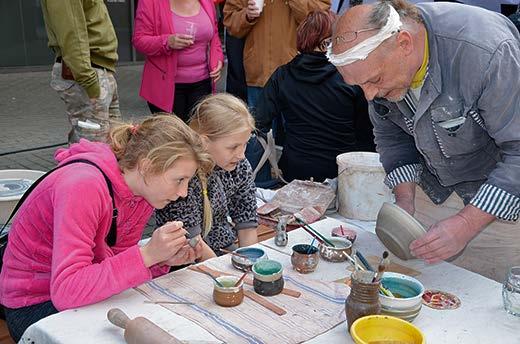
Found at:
[480, 319]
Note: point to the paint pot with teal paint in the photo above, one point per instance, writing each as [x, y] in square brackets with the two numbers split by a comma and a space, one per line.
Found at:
[268, 277]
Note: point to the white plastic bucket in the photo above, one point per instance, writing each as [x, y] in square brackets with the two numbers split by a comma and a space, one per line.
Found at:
[13, 184]
[361, 191]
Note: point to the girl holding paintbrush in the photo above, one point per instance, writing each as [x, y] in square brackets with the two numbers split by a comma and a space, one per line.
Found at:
[225, 125]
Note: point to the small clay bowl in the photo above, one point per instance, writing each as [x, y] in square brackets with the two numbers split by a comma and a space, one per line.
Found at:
[253, 254]
[268, 277]
[304, 258]
[343, 247]
[228, 295]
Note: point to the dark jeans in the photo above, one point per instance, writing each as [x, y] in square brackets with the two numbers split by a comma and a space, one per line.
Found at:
[186, 96]
[19, 319]
[236, 78]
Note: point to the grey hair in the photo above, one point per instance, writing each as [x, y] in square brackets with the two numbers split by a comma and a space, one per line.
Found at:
[380, 12]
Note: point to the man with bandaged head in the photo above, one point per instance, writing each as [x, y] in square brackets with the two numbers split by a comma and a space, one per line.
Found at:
[443, 81]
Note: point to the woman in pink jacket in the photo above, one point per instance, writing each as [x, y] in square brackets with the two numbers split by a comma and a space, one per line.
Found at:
[59, 255]
[183, 53]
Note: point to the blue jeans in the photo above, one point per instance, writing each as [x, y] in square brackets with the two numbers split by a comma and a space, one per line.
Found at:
[254, 149]
[19, 319]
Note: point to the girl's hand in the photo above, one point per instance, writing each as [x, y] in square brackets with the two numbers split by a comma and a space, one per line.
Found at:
[215, 73]
[179, 41]
[166, 241]
[186, 255]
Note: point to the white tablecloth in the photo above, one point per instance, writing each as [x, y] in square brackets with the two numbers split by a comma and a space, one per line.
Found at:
[480, 319]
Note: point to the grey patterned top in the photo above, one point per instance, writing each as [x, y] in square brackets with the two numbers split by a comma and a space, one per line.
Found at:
[231, 194]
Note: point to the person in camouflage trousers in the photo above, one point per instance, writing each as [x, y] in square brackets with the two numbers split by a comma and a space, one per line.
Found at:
[84, 41]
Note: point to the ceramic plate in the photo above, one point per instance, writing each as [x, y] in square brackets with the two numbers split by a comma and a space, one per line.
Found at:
[397, 229]
[14, 187]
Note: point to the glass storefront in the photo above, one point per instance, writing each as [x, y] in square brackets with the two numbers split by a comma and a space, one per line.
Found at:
[24, 39]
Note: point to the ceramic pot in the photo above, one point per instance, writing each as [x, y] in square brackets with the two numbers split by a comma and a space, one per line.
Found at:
[363, 299]
[304, 258]
[268, 277]
[248, 256]
[228, 295]
[343, 247]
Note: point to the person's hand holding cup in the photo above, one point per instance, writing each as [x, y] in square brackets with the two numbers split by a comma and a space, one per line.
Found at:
[254, 9]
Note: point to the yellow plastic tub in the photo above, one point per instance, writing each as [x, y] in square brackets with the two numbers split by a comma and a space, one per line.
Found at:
[383, 329]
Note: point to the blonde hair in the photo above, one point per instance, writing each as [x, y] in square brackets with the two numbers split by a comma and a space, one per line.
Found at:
[216, 116]
[162, 140]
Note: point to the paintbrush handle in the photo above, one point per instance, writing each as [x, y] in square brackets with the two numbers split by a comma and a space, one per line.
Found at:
[364, 261]
[309, 228]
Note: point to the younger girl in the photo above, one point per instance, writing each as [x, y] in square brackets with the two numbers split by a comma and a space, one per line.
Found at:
[59, 256]
[225, 125]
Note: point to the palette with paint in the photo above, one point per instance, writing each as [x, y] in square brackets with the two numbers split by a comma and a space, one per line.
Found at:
[244, 258]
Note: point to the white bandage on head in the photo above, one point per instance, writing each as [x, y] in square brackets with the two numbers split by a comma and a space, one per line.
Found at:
[364, 48]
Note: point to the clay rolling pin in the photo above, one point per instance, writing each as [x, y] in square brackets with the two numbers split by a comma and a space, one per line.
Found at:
[140, 330]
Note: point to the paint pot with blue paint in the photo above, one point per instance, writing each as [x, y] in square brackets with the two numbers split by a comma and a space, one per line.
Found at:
[304, 258]
[244, 258]
[408, 293]
[268, 277]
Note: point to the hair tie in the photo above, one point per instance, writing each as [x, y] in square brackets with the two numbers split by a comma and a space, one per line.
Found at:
[205, 192]
[134, 128]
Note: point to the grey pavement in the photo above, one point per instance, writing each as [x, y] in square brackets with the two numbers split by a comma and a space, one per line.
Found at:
[32, 115]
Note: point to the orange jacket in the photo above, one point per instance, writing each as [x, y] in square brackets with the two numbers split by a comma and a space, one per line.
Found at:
[270, 38]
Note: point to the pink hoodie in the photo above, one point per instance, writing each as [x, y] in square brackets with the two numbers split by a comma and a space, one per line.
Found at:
[57, 249]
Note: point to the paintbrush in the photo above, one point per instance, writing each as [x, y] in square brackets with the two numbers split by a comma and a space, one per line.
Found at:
[310, 246]
[308, 228]
[169, 302]
[234, 253]
[312, 234]
[241, 278]
[210, 275]
[364, 261]
[382, 267]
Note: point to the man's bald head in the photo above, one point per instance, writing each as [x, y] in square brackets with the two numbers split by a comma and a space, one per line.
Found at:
[373, 16]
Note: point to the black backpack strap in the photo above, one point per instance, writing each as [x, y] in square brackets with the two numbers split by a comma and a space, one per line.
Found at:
[112, 234]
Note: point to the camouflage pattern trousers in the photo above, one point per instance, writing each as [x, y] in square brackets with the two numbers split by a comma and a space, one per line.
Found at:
[90, 119]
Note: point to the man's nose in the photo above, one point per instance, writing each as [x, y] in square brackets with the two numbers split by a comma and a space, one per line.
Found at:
[369, 91]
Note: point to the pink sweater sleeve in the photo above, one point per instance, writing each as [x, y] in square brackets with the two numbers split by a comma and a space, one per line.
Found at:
[79, 209]
[145, 38]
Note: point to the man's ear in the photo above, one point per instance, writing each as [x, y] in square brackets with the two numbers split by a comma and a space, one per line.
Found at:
[405, 42]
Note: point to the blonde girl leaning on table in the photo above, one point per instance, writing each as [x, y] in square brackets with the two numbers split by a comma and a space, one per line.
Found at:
[58, 256]
[226, 209]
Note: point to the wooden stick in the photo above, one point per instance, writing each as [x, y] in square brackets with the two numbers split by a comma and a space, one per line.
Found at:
[234, 253]
[168, 302]
[263, 302]
[247, 280]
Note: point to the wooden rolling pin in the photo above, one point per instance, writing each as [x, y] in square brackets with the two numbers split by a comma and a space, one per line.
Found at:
[140, 330]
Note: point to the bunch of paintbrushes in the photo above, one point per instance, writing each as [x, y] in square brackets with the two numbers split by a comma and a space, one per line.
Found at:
[314, 233]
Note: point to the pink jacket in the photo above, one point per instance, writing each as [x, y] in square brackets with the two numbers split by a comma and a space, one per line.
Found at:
[57, 249]
[153, 26]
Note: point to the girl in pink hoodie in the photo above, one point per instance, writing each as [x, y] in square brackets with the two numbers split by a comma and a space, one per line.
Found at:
[57, 255]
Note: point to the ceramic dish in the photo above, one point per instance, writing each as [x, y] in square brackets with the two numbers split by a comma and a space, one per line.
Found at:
[228, 295]
[408, 315]
[268, 277]
[397, 229]
[343, 247]
[304, 258]
[408, 288]
[385, 329]
[251, 255]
